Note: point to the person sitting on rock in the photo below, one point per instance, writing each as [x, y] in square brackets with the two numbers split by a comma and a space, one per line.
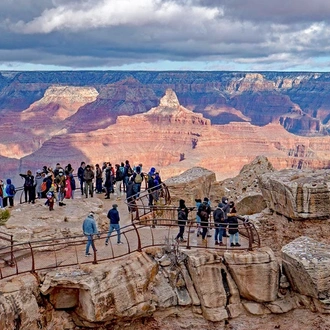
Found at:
[233, 226]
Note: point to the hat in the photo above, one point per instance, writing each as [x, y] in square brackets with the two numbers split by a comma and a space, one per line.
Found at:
[60, 170]
[114, 206]
[206, 199]
[220, 205]
[39, 171]
[91, 213]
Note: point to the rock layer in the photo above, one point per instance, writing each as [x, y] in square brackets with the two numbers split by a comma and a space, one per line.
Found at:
[297, 194]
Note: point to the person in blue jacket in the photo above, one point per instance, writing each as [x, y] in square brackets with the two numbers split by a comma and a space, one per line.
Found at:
[89, 230]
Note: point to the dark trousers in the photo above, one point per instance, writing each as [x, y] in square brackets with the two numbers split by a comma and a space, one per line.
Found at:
[204, 231]
[181, 231]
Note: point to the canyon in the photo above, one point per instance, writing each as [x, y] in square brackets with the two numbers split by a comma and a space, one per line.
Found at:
[124, 117]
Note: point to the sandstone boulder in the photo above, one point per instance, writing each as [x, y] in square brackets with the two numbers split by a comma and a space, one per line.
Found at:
[193, 183]
[256, 273]
[297, 194]
[18, 303]
[306, 263]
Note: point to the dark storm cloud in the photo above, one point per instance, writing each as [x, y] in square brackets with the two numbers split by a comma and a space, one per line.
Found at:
[105, 33]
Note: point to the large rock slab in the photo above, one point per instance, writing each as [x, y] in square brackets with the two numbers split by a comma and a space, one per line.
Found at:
[256, 273]
[193, 183]
[297, 194]
[306, 263]
[18, 303]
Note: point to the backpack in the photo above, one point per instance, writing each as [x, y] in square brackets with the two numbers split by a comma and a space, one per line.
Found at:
[10, 190]
[129, 171]
[119, 175]
[138, 178]
[181, 215]
[28, 181]
[43, 186]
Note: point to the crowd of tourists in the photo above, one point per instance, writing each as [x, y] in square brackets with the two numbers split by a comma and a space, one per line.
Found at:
[59, 183]
[224, 216]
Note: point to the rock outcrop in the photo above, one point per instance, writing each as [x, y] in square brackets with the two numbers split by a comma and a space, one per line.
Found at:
[297, 194]
[306, 263]
[143, 283]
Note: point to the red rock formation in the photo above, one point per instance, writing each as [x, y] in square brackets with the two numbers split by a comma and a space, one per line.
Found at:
[175, 139]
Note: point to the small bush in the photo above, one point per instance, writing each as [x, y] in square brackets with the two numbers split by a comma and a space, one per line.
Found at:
[4, 216]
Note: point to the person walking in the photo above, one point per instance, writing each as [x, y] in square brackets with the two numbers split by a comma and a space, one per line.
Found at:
[90, 229]
[182, 219]
[113, 215]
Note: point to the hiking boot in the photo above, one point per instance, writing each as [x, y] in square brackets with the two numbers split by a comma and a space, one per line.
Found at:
[118, 243]
[220, 243]
[232, 244]
[216, 243]
[106, 242]
[237, 244]
[88, 254]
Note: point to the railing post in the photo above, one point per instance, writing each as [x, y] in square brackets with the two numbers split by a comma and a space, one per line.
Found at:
[138, 237]
[11, 251]
[94, 250]
[32, 258]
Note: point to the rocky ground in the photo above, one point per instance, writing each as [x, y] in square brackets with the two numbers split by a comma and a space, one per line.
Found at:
[275, 230]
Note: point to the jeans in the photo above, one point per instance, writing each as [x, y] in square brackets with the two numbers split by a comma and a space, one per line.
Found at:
[99, 185]
[114, 226]
[137, 189]
[89, 243]
[181, 231]
[89, 186]
[219, 233]
[233, 238]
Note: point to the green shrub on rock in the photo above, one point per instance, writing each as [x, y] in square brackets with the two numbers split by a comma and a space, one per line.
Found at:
[4, 216]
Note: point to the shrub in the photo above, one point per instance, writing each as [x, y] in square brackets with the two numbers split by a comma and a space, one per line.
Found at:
[4, 216]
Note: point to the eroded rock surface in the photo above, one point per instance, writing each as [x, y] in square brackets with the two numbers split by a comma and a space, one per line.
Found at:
[297, 194]
[307, 265]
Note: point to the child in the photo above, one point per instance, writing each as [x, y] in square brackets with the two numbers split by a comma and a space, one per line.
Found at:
[50, 199]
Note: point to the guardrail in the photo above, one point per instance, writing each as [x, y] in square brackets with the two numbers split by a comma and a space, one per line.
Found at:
[151, 225]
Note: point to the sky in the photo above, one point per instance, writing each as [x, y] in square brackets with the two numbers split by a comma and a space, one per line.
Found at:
[207, 35]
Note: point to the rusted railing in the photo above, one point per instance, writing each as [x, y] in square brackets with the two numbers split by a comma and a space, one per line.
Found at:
[152, 225]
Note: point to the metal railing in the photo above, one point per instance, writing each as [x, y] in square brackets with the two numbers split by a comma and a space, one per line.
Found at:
[151, 225]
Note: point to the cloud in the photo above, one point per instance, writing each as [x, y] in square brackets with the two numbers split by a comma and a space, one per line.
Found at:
[113, 33]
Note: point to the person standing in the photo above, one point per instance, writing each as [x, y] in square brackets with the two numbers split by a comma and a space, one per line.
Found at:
[80, 175]
[114, 218]
[220, 224]
[233, 226]
[29, 188]
[182, 219]
[98, 175]
[10, 192]
[119, 179]
[88, 178]
[90, 229]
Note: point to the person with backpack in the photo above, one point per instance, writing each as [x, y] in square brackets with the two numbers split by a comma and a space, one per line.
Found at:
[29, 187]
[233, 226]
[138, 178]
[220, 224]
[10, 192]
[182, 219]
[119, 178]
[128, 172]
